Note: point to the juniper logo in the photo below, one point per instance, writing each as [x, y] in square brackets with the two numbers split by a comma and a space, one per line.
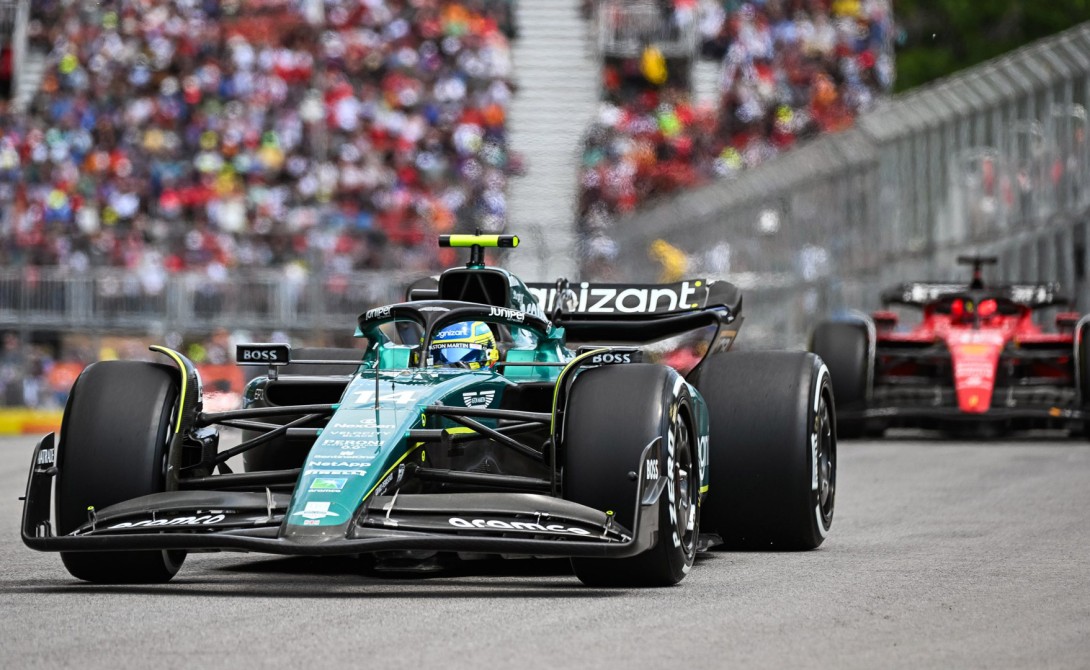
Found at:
[478, 398]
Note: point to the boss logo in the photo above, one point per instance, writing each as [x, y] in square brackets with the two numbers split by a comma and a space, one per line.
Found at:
[611, 358]
[259, 356]
[268, 354]
[509, 314]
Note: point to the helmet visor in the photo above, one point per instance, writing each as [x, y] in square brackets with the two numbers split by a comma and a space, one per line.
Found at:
[450, 354]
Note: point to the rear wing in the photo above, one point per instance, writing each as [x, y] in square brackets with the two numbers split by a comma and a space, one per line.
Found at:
[637, 312]
[920, 294]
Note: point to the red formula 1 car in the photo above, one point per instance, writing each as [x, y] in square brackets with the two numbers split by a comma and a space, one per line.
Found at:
[976, 360]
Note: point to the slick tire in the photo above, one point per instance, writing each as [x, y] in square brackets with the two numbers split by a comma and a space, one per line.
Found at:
[114, 442]
[612, 414]
[845, 348]
[772, 449]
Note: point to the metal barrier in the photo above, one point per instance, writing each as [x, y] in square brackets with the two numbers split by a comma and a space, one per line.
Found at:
[109, 300]
[993, 160]
[626, 28]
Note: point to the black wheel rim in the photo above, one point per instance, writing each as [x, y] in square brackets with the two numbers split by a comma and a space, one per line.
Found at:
[826, 462]
[685, 505]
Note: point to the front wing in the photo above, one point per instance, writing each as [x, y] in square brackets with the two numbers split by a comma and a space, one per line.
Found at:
[500, 523]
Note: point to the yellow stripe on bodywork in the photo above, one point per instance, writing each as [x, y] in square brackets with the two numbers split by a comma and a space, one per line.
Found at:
[560, 380]
[391, 469]
[177, 358]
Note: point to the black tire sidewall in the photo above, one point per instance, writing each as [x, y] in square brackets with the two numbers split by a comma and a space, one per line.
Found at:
[762, 411]
[612, 414]
[114, 443]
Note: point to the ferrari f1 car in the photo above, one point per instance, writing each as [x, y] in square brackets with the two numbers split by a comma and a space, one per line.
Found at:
[976, 361]
[467, 426]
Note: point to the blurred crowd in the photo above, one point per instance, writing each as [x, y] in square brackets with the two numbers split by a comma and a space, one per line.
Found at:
[789, 70]
[40, 375]
[214, 135]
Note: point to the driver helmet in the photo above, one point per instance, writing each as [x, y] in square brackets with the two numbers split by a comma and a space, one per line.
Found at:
[469, 344]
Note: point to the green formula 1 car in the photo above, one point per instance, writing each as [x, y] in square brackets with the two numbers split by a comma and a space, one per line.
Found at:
[470, 424]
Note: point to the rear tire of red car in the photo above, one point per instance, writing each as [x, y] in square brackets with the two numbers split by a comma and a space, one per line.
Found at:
[114, 441]
[845, 348]
[772, 450]
[613, 413]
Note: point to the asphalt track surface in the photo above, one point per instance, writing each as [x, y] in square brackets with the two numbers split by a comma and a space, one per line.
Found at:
[942, 554]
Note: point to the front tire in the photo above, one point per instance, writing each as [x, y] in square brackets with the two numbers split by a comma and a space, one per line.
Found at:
[773, 449]
[114, 441]
[613, 413]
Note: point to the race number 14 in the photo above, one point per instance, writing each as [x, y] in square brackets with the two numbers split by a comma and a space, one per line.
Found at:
[396, 398]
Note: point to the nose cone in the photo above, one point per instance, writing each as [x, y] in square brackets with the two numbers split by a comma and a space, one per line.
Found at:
[974, 375]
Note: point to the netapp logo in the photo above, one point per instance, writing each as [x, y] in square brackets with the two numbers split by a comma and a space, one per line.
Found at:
[614, 299]
[206, 520]
[506, 313]
[497, 524]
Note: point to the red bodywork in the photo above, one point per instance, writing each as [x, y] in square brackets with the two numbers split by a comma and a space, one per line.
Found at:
[976, 333]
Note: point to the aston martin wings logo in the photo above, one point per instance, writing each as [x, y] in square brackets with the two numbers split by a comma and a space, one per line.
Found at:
[478, 398]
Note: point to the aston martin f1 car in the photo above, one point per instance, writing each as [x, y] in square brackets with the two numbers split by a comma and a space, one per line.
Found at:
[471, 423]
[976, 361]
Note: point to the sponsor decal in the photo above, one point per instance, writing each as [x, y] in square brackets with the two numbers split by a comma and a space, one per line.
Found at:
[351, 434]
[455, 330]
[350, 444]
[311, 522]
[339, 464]
[526, 526]
[620, 299]
[367, 397]
[434, 309]
[616, 357]
[327, 484]
[204, 520]
[358, 473]
[366, 423]
[478, 398]
[46, 457]
[508, 314]
[652, 473]
[263, 353]
[377, 313]
[316, 510]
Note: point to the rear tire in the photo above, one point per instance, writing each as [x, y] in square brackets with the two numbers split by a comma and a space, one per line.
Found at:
[772, 449]
[613, 413]
[114, 441]
[845, 348]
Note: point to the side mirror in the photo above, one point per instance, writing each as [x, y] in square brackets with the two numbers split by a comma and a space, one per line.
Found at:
[1067, 320]
[884, 320]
